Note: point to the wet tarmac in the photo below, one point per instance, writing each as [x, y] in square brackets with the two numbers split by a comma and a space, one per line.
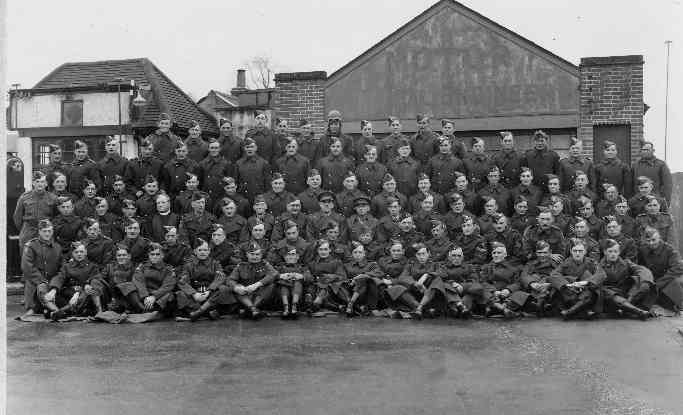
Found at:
[338, 366]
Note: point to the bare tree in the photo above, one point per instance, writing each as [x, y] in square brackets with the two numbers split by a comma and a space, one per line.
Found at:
[261, 71]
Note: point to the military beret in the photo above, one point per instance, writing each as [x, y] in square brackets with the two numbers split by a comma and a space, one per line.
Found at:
[493, 169]
[276, 176]
[421, 117]
[392, 119]
[226, 201]
[54, 147]
[170, 229]
[422, 176]
[194, 124]
[289, 224]
[215, 227]
[224, 121]
[496, 244]
[504, 134]
[609, 218]
[253, 247]
[150, 179]
[111, 139]
[118, 178]
[80, 144]
[574, 141]
[403, 143]
[387, 178]
[325, 195]
[130, 222]
[292, 251]
[164, 116]
[391, 200]
[621, 199]
[197, 196]
[444, 140]
[497, 217]
[454, 197]
[247, 142]
[520, 199]
[44, 224]
[641, 180]
[329, 225]
[334, 115]
[313, 173]
[437, 224]
[524, 169]
[37, 175]
[446, 121]
[540, 135]
[199, 242]
[145, 143]
[361, 200]
[259, 199]
[551, 176]
[228, 181]
[181, 144]
[363, 123]
[294, 200]
[349, 174]
[63, 199]
[303, 122]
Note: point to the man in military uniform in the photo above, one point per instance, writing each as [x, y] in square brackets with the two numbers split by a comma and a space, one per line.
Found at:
[424, 143]
[139, 168]
[334, 166]
[265, 139]
[33, 206]
[650, 166]
[253, 281]
[82, 168]
[541, 160]
[40, 262]
[508, 160]
[318, 220]
[163, 140]
[294, 167]
[544, 230]
[667, 269]
[56, 165]
[334, 130]
[441, 168]
[309, 144]
[252, 172]
[111, 165]
[213, 169]
[309, 197]
[457, 146]
[196, 224]
[197, 148]
[231, 145]
[174, 173]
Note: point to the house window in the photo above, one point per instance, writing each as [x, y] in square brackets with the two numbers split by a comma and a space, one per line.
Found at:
[41, 148]
[43, 154]
[72, 113]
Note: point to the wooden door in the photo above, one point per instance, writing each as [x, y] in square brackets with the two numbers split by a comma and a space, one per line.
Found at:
[619, 133]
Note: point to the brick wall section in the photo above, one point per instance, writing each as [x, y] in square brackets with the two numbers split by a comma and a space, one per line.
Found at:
[301, 95]
[611, 92]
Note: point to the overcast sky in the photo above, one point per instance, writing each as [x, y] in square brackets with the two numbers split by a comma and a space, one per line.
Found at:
[200, 44]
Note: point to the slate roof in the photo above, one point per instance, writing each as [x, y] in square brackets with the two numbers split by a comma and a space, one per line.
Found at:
[166, 96]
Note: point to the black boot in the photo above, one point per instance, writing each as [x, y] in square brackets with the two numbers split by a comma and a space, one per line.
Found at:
[571, 311]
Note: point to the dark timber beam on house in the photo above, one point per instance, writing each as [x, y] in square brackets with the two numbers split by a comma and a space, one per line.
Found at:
[74, 131]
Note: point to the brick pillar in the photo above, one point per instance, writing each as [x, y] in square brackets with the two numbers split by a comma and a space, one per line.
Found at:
[301, 95]
[611, 92]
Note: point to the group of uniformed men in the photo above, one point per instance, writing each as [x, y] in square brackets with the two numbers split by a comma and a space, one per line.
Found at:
[406, 227]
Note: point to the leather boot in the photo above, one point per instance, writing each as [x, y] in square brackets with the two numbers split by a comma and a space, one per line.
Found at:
[638, 312]
[568, 313]
[204, 308]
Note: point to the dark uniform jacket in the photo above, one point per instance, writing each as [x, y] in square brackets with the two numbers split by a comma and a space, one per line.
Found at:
[53, 168]
[267, 144]
[74, 274]
[225, 253]
[345, 200]
[501, 275]
[587, 270]
[110, 166]
[332, 170]
[387, 147]
[232, 226]
[355, 224]
[405, 171]
[85, 207]
[156, 231]
[553, 235]
[193, 227]
[521, 222]
[252, 174]
[201, 275]
[379, 203]
[661, 221]
[211, 172]
[568, 168]
[138, 248]
[247, 273]
[458, 148]
[139, 168]
[666, 266]
[453, 222]
[197, 148]
[309, 147]
[415, 202]
[509, 163]
[477, 167]
[154, 279]
[658, 171]
[100, 250]
[294, 169]
[612, 171]
[309, 200]
[439, 247]
[174, 174]
[177, 254]
[326, 140]
[622, 274]
[41, 260]
[279, 249]
[243, 205]
[627, 246]
[512, 240]
[163, 144]
[473, 246]
[541, 163]
[231, 148]
[277, 202]
[268, 222]
[424, 145]
[67, 229]
[533, 195]
[317, 220]
[79, 171]
[115, 201]
[497, 191]
[358, 148]
[111, 226]
[441, 169]
[424, 221]
[33, 206]
[638, 202]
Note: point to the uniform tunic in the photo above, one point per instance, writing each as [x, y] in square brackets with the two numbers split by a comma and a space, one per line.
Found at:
[279, 249]
[466, 276]
[294, 170]
[193, 226]
[509, 163]
[309, 200]
[521, 222]
[366, 278]
[478, 167]
[358, 148]
[532, 194]
[138, 248]
[657, 171]
[242, 204]
[139, 168]
[267, 144]
[667, 269]
[72, 277]
[473, 246]
[247, 273]
[326, 140]
[211, 172]
[638, 202]
[231, 148]
[332, 170]
[277, 202]
[500, 193]
[197, 148]
[613, 171]
[345, 200]
[268, 222]
[424, 221]
[387, 147]
[110, 166]
[252, 174]
[309, 147]
[405, 171]
[512, 240]
[439, 247]
[553, 235]
[623, 277]
[225, 253]
[40, 262]
[33, 206]
[67, 229]
[541, 162]
[80, 171]
[199, 276]
[458, 148]
[164, 144]
[370, 177]
[415, 202]
[379, 203]
[111, 226]
[356, 224]
[115, 280]
[627, 246]
[115, 201]
[575, 196]
[176, 254]
[442, 169]
[157, 280]
[174, 174]
[424, 145]
[503, 276]
[157, 231]
[85, 207]
[317, 220]
[100, 250]
[660, 221]
[568, 168]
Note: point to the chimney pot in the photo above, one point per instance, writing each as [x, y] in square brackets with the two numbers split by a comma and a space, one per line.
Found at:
[241, 79]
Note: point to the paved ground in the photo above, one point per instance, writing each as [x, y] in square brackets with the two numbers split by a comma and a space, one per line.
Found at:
[336, 366]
